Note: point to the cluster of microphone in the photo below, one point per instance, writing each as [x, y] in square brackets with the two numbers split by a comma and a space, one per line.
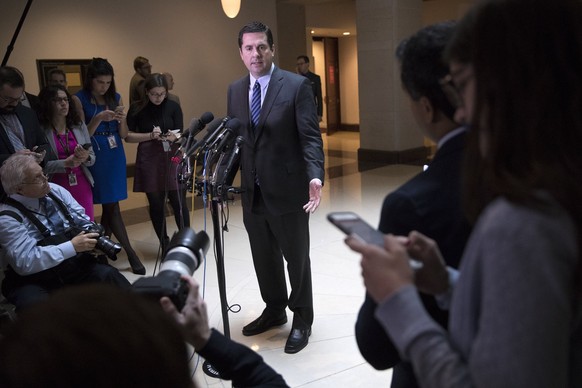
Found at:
[220, 147]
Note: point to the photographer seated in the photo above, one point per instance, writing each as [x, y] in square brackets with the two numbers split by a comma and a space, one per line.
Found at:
[43, 245]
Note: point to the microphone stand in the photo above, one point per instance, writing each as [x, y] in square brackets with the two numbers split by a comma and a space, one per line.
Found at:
[220, 269]
[215, 200]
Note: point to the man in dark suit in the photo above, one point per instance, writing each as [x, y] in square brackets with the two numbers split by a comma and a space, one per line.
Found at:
[19, 128]
[282, 174]
[430, 202]
[303, 69]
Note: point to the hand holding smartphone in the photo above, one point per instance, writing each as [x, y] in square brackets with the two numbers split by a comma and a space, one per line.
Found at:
[351, 224]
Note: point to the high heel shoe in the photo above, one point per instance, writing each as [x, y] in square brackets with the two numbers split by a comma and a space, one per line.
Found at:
[136, 265]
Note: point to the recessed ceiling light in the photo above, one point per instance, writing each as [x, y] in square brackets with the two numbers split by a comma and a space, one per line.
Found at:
[313, 31]
[346, 33]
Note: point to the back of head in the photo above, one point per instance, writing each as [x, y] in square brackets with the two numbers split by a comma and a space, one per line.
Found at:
[422, 65]
[253, 27]
[11, 76]
[94, 336]
[526, 58]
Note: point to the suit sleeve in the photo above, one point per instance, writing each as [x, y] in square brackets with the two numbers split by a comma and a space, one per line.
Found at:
[398, 217]
[309, 133]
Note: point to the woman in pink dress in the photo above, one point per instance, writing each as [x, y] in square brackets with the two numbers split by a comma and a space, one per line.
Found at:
[67, 160]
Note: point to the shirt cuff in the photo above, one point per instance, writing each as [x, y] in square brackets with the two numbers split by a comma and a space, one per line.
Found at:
[444, 299]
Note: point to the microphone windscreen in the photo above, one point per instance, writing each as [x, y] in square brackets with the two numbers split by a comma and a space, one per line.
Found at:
[191, 126]
[206, 118]
[234, 124]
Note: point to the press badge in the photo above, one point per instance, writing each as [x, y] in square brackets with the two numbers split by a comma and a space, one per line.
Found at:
[112, 142]
[72, 179]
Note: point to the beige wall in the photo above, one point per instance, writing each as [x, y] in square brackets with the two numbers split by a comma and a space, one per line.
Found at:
[192, 39]
[439, 10]
[195, 41]
[349, 96]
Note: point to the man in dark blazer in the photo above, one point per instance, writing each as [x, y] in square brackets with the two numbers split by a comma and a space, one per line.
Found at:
[303, 69]
[19, 127]
[430, 202]
[281, 174]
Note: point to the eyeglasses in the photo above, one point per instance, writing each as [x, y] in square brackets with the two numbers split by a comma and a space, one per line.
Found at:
[40, 179]
[163, 94]
[58, 100]
[10, 100]
[451, 91]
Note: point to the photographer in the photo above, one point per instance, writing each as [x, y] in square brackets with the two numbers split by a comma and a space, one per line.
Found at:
[38, 254]
[234, 361]
[113, 329]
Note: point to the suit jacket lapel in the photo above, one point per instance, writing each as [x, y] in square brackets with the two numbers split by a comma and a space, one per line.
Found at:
[275, 85]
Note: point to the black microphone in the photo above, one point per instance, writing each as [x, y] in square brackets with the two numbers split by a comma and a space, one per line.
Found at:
[213, 130]
[232, 159]
[222, 142]
[230, 131]
[195, 127]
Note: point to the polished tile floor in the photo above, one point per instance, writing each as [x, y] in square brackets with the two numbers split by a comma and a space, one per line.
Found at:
[332, 358]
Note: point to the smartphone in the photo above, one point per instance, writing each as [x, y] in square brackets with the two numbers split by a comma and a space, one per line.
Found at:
[351, 224]
[86, 146]
[40, 148]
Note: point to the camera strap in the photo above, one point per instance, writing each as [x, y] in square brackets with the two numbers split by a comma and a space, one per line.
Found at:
[28, 214]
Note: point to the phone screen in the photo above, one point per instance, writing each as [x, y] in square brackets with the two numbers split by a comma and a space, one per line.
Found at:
[351, 224]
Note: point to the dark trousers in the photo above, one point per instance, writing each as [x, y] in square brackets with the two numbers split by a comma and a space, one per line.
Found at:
[23, 291]
[157, 202]
[272, 239]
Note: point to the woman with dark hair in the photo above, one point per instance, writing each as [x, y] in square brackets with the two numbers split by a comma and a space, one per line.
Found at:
[150, 122]
[67, 164]
[101, 108]
[516, 305]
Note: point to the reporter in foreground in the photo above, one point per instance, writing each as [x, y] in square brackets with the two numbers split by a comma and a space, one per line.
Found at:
[100, 336]
[516, 305]
[234, 361]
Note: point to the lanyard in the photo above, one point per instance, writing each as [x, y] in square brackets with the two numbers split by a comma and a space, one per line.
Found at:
[64, 144]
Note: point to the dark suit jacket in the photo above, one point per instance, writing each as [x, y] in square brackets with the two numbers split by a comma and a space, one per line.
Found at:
[285, 150]
[431, 204]
[316, 87]
[34, 102]
[33, 135]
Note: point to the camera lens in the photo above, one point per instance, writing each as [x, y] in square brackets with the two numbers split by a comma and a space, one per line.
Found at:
[185, 252]
[109, 247]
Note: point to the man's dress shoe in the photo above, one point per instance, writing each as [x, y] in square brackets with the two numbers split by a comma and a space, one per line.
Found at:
[264, 323]
[298, 339]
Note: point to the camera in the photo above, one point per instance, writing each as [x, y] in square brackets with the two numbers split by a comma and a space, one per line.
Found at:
[104, 244]
[185, 254]
[108, 247]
